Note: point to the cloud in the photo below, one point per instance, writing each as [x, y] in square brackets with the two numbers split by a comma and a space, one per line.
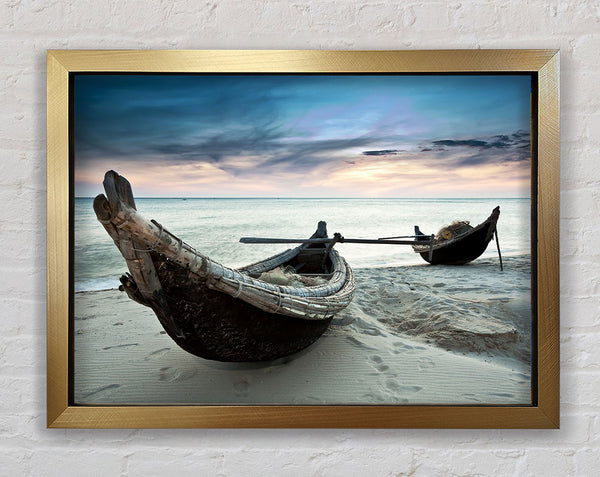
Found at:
[220, 121]
[454, 143]
[384, 152]
[497, 149]
[498, 141]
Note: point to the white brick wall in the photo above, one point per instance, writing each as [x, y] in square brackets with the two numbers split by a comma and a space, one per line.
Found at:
[31, 27]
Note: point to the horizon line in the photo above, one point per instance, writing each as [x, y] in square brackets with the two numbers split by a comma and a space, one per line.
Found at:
[323, 198]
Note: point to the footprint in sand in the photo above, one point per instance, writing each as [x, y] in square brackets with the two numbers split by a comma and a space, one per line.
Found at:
[241, 387]
[307, 400]
[520, 377]
[379, 365]
[121, 346]
[372, 332]
[159, 353]
[471, 397]
[395, 386]
[505, 395]
[425, 363]
[400, 346]
[173, 374]
[101, 390]
[359, 343]
[167, 374]
[373, 397]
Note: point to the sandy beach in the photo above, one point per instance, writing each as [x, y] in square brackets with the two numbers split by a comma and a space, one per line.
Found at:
[412, 335]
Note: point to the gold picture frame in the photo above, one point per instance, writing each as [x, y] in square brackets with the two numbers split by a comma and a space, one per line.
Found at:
[541, 64]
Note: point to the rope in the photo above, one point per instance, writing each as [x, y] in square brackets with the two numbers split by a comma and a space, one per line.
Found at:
[239, 291]
[279, 299]
[193, 266]
[206, 265]
[160, 231]
[180, 248]
[195, 261]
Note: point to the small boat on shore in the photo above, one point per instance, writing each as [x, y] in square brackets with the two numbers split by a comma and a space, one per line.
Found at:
[217, 312]
[458, 243]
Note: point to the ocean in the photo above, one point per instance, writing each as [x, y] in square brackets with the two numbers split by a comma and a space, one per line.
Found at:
[214, 227]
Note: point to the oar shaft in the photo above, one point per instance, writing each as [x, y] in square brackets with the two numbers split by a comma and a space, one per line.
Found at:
[282, 240]
[325, 240]
[403, 236]
[379, 241]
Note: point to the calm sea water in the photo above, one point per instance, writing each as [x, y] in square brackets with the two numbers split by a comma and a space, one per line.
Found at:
[214, 227]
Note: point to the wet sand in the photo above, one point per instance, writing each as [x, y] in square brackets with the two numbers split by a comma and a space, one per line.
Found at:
[412, 335]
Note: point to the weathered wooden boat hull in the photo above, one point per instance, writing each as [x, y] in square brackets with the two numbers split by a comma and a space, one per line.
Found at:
[215, 312]
[216, 326]
[464, 248]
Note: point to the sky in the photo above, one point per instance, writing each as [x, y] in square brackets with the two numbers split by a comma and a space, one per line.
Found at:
[304, 135]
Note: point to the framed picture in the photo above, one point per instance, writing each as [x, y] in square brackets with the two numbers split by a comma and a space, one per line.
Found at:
[352, 239]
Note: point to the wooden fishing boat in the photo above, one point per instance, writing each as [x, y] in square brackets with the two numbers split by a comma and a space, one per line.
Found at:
[217, 312]
[461, 244]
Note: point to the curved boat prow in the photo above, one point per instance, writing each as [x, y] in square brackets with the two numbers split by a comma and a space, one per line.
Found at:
[214, 311]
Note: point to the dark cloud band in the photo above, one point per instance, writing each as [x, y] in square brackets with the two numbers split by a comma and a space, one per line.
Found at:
[384, 152]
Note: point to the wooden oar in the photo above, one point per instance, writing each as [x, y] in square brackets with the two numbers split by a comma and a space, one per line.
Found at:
[325, 240]
[401, 236]
[340, 239]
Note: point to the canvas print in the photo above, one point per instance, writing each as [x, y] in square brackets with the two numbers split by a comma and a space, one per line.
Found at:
[302, 239]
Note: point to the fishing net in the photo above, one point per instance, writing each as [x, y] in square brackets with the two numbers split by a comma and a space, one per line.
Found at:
[456, 228]
[287, 276]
